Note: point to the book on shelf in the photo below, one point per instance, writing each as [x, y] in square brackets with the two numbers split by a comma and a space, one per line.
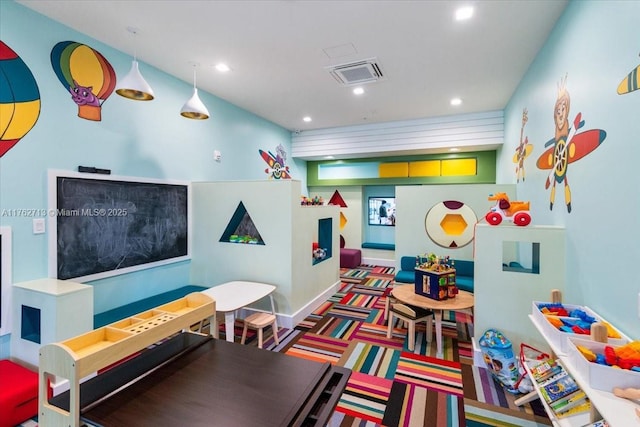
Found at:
[584, 406]
[568, 402]
[545, 369]
[561, 386]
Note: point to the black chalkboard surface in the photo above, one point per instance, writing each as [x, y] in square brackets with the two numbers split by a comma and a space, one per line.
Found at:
[111, 226]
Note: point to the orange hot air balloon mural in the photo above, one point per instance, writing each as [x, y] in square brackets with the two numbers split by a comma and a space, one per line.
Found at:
[19, 99]
[86, 74]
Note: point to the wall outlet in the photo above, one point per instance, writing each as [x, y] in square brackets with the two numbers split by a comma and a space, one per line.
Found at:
[217, 155]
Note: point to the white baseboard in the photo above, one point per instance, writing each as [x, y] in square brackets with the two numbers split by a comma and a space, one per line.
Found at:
[289, 321]
[379, 261]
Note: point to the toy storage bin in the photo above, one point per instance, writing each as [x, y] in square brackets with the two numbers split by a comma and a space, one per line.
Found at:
[600, 377]
[433, 284]
[559, 338]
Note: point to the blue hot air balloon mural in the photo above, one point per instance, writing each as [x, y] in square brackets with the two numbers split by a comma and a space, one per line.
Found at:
[86, 74]
[19, 99]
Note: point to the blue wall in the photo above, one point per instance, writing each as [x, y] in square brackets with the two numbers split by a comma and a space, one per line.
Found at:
[595, 45]
[145, 139]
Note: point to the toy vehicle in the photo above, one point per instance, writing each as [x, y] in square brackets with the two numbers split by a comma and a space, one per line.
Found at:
[516, 212]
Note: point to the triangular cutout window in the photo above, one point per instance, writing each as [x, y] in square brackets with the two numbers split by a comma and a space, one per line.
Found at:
[337, 199]
[241, 228]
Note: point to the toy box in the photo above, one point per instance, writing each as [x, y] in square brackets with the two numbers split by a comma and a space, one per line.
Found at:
[600, 377]
[559, 338]
[438, 285]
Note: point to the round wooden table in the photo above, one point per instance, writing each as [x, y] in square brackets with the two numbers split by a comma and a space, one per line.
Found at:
[407, 294]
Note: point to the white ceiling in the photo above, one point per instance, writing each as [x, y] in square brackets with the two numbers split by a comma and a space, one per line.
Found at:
[278, 51]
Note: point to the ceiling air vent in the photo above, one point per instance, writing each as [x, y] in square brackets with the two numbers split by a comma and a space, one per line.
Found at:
[366, 71]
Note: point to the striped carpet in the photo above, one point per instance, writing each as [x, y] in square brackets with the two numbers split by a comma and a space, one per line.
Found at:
[391, 386]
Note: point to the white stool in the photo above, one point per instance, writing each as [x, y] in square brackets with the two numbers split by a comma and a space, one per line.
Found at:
[410, 315]
[260, 321]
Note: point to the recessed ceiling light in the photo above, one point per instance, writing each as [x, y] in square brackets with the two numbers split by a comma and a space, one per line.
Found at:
[464, 13]
[329, 157]
[358, 91]
[456, 101]
[454, 149]
[306, 119]
[223, 68]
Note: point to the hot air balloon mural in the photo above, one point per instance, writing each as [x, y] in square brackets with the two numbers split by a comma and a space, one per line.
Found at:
[19, 99]
[86, 74]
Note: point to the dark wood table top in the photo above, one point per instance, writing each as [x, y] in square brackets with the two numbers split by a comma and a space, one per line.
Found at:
[221, 384]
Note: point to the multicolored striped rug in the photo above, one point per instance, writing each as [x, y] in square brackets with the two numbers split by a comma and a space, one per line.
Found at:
[391, 386]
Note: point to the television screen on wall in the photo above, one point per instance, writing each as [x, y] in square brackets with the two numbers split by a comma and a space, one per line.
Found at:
[382, 211]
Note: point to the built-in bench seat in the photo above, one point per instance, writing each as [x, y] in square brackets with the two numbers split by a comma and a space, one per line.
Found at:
[128, 310]
[383, 246]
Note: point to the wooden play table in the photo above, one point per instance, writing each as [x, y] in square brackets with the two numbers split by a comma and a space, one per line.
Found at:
[407, 294]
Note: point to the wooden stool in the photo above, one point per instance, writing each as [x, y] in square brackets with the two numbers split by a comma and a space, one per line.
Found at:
[260, 321]
[410, 315]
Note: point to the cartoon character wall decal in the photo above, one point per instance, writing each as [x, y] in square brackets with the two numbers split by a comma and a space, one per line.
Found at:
[277, 168]
[19, 99]
[82, 95]
[567, 146]
[522, 150]
[630, 83]
[86, 74]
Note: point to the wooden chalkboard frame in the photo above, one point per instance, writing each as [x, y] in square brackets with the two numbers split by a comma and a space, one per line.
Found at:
[115, 215]
[5, 280]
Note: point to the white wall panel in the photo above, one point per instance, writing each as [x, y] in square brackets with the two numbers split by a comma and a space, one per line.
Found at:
[473, 132]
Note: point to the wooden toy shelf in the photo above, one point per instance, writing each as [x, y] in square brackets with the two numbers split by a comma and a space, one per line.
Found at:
[83, 355]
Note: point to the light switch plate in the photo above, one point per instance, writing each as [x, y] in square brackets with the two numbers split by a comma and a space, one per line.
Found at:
[38, 226]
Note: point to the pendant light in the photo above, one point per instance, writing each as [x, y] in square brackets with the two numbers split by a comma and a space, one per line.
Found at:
[194, 108]
[133, 85]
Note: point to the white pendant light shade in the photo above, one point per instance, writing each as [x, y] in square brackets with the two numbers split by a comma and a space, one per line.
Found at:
[134, 86]
[194, 108]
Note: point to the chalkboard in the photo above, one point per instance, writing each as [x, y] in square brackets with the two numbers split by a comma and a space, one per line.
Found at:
[107, 226]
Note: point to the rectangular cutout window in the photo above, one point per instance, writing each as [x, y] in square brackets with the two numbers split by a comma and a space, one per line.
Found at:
[30, 325]
[521, 257]
[322, 251]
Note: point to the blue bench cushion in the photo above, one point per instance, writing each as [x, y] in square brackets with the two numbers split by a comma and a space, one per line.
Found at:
[405, 276]
[465, 283]
[128, 310]
[463, 267]
[384, 246]
[408, 263]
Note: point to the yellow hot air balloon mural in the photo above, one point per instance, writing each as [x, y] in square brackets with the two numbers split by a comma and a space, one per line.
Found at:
[19, 99]
[86, 74]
